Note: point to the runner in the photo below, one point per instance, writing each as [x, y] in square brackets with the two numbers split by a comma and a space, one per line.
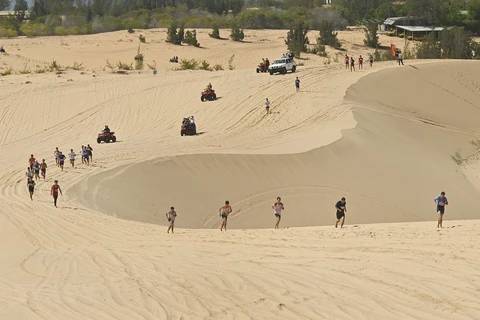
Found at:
[43, 168]
[29, 173]
[297, 84]
[54, 192]
[441, 202]
[370, 58]
[55, 154]
[360, 62]
[267, 105]
[85, 156]
[36, 170]
[81, 154]
[31, 187]
[72, 157]
[61, 159]
[278, 207]
[90, 152]
[171, 215]
[400, 58]
[31, 161]
[341, 207]
[347, 61]
[352, 64]
[224, 212]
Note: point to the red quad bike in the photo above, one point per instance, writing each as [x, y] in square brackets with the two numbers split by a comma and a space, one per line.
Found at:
[106, 137]
[208, 95]
[262, 67]
[188, 130]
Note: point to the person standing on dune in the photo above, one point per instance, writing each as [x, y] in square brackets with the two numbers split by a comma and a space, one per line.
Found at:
[224, 212]
[352, 64]
[347, 61]
[171, 215]
[297, 84]
[267, 105]
[341, 207]
[55, 154]
[54, 192]
[441, 202]
[278, 207]
[72, 158]
[31, 161]
[360, 62]
[89, 152]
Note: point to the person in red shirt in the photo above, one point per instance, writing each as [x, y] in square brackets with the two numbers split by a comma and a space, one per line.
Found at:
[54, 192]
[360, 62]
[347, 61]
[31, 161]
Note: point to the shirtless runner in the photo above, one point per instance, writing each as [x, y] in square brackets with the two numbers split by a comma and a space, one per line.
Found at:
[224, 211]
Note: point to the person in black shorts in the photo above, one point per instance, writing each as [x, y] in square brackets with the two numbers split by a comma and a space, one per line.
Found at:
[31, 187]
[341, 207]
[441, 201]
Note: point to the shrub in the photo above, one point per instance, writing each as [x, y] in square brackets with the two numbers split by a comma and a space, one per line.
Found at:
[215, 32]
[25, 70]
[297, 39]
[8, 33]
[205, 66]
[130, 30]
[191, 38]
[237, 34]
[371, 36]
[61, 31]
[138, 60]
[40, 70]
[191, 64]
[218, 67]
[230, 63]
[124, 66]
[7, 72]
[141, 38]
[110, 66]
[173, 36]
[55, 66]
[78, 66]
[327, 36]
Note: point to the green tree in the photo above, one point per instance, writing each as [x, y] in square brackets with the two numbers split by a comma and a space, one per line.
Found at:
[237, 34]
[432, 10]
[21, 8]
[328, 37]
[215, 32]
[172, 36]
[429, 48]
[371, 36]
[455, 43]
[4, 4]
[473, 16]
[191, 38]
[297, 39]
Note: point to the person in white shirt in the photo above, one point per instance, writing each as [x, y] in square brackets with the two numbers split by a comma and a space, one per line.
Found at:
[171, 215]
[267, 105]
[72, 157]
[278, 207]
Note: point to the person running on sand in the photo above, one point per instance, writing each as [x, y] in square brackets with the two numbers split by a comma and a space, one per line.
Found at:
[347, 61]
[352, 64]
[278, 207]
[89, 152]
[72, 158]
[441, 202]
[43, 168]
[297, 84]
[61, 159]
[224, 212]
[360, 62]
[54, 192]
[85, 156]
[267, 105]
[171, 215]
[31, 187]
[341, 207]
[29, 173]
[31, 161]
[36, 170]
[55, 154]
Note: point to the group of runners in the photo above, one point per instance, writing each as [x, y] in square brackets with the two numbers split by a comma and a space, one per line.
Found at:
[37, 170]
[350, 62]
[341, 208]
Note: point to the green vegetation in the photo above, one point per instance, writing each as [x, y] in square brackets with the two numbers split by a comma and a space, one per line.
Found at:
[192, 64]
[237, 34]
[297, 39]
[191, 38]
[215, 33]
[371, 37]
[327, 36]
[139, 60]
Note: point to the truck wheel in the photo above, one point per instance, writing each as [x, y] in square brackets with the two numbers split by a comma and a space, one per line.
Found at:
[284, 71]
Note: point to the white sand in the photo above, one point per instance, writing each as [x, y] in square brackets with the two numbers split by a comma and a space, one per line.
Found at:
[386, 143]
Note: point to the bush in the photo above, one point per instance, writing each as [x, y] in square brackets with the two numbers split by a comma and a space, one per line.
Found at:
[7, 72]
[138, 60]
[55, 66]
[205, 66]
[40, 70]
[218, 67]
[78, 66]
[25, 70]
[124, 66]
[191, 38]
[297, 39]
[215, 33]
[110, 66]
[173, 36]
[230, 63]
[61, 31]
[327, 36]
[130, 30]
[237, 34]
[191, 64]
[141, 38]
[8, 33]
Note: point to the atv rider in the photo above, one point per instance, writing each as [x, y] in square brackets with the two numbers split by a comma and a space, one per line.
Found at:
[106, 129]
[209, 88]
[267, 63]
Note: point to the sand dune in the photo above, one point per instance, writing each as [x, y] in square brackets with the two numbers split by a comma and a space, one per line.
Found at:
[388, 138]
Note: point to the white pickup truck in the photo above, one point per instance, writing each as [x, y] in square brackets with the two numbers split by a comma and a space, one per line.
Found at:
[282, 66]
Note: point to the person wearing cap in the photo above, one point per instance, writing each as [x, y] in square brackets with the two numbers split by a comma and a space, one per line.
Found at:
[341, 207]
[171, 215]
[441, 201]
[54, 192]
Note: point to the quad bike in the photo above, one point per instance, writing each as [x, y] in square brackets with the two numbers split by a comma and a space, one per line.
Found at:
[262, 67]
[188, 130]
[106, 137]
[208, 95]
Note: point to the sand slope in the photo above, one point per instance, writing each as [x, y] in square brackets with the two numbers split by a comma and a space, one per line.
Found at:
[385, 140]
